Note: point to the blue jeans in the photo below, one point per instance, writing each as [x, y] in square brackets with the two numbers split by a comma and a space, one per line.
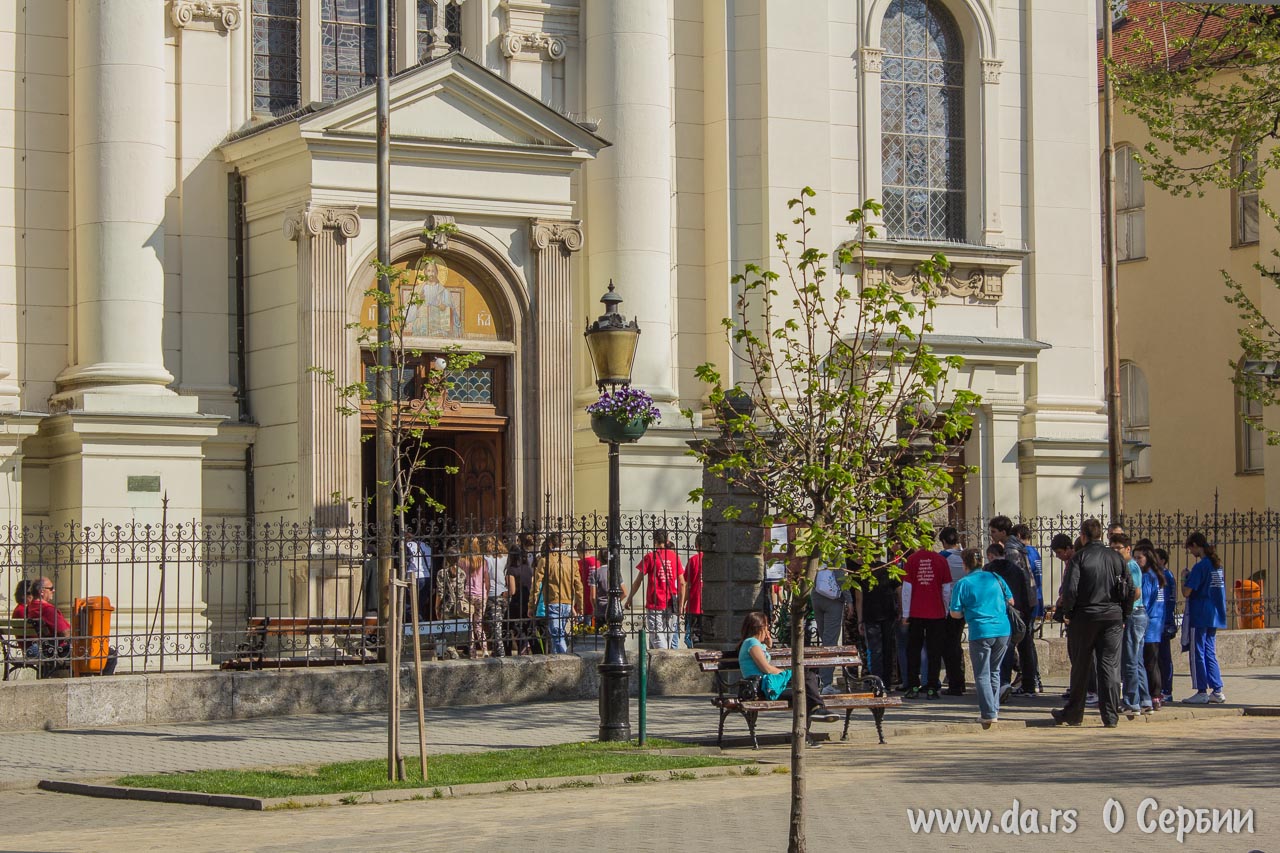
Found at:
[557, 622]
[986, 655]
[1204, 660]
[1136, 692]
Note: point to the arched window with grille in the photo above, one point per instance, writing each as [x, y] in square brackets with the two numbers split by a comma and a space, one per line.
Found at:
[922, 103]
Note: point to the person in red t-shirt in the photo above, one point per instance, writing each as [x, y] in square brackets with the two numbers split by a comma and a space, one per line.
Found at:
[587, 566]
[693, 607]
[41, 609]
[664, 593]
[925, 615]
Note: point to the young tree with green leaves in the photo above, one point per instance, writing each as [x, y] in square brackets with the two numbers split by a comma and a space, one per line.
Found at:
[418, 392]
[854, 424]
[1205, 80]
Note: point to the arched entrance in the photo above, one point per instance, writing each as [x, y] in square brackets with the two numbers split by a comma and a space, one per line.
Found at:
[451, 303]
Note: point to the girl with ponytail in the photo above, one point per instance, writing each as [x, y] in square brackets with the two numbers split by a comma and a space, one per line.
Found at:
[1205, 589]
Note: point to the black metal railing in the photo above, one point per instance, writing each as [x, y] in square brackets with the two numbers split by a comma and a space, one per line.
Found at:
[190, 596]
[150, 597]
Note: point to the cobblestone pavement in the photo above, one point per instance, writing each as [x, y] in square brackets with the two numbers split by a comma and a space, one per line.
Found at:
[106, 752]
[858, 796]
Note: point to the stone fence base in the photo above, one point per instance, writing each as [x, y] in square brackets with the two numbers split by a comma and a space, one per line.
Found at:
[216, 695]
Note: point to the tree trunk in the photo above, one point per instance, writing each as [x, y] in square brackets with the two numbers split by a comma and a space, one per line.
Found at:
[799, 704]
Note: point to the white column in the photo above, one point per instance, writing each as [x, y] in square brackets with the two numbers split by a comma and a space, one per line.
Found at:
[120, 158]
[628, 88]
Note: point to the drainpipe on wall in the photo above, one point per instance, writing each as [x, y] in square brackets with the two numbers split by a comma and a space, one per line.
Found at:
[242, 389]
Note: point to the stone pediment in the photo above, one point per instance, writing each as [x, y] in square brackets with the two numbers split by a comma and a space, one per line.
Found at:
[451, 100]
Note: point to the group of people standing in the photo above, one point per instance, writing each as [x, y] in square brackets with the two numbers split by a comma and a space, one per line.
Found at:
[524, 597]
[916, 622]
[1118, 603]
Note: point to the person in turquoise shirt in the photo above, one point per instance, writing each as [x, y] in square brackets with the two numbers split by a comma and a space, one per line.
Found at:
[775, 683]
[980, 599]
[1137, 693]
[1205, 589]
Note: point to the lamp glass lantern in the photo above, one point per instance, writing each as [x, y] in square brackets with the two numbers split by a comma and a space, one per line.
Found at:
[612, 342]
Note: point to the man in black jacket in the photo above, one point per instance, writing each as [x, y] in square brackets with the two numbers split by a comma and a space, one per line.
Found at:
[1096, 626]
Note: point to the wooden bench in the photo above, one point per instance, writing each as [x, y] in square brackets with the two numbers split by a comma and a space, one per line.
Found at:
[252, 655]
[872, 696]
[24, 650]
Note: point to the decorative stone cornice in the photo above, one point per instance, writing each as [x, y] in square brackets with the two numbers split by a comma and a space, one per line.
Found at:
[991, 70]
[977, 282]
[548, 231]
[206, 14]
[438, 242]
[553, 47]
[872, 59]
[313, 220]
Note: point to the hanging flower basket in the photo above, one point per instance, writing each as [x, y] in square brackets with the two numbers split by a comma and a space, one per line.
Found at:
[623, 415]
[608, 428]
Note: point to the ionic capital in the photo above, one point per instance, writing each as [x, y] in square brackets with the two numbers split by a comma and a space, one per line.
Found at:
[206, 14]
[313, 220]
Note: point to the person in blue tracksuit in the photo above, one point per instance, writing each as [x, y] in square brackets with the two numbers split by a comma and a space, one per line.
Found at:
[1153, 599]
[1205, 588]
[1170, 626]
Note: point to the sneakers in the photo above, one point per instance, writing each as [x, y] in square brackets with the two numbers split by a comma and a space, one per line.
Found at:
[1030, 694]
[830, 690]
[1217, 697]
[1060, 718]
[1091, 700]
[822, 715]
[985, 723]
[1131, 710]
[1148, 709]
[1005, 690]
[1166, 698]
[932, 694]
[1066, 694]
[1197, 699]
[1157, 703]
[912, 693]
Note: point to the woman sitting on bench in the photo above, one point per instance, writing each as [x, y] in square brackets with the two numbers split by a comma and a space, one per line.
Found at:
[775, 683]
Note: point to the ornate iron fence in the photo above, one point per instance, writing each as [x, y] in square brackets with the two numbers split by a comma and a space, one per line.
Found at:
[164, 597]
[187, 596]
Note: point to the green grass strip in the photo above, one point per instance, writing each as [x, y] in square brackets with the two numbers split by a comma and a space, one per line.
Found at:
[570, 759]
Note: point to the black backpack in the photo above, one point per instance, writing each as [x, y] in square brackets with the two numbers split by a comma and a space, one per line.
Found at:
[1122, 590]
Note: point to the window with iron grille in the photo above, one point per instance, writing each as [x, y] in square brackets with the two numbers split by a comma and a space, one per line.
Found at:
[349, 45]
[922, 122]
[277, 86]
[427, 23]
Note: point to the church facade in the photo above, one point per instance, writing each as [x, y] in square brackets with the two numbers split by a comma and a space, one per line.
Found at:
[188, 221]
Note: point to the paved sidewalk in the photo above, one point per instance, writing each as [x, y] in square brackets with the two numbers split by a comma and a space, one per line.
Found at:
[107, 752]
[857, 800]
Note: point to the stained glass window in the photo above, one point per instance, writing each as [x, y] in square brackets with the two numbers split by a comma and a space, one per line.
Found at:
[922, 122]
[349, 45]
[427, 22]
[473, 385]
[276, 77]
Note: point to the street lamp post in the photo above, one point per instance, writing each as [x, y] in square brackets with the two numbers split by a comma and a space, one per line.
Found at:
[612, 341]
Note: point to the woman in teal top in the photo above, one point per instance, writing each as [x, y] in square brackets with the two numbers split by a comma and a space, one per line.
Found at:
[753, 660]
[980, 599]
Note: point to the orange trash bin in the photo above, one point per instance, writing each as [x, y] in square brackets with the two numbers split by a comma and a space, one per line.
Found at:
[91, 618]
[1249, 604]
